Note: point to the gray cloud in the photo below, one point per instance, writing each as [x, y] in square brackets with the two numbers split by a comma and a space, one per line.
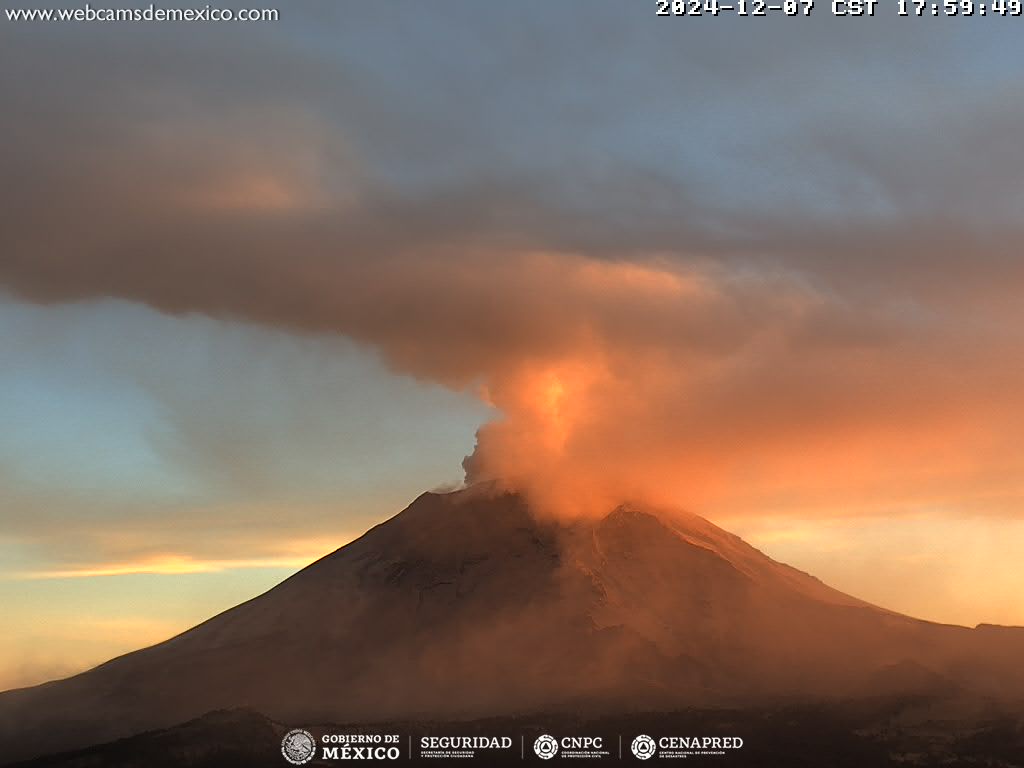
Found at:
[487, 196]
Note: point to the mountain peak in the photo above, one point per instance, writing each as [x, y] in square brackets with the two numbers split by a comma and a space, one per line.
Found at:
[467, 604]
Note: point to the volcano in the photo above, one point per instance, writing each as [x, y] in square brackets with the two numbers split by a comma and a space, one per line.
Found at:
[469, 604]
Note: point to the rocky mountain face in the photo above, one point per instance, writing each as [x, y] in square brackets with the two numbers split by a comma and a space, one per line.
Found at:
[468, 605]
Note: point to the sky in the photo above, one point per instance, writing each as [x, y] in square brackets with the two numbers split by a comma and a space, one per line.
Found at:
[263, 284]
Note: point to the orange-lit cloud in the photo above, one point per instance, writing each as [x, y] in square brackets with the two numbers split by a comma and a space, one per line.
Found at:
[170, 565]
[775, 362]
[734, 395]
[673, 380]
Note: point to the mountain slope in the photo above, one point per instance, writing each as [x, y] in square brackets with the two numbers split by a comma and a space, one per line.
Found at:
[466, 604]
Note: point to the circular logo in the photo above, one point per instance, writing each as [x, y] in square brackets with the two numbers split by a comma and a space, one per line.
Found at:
[644, 747]
[546, 747]
[298, 746]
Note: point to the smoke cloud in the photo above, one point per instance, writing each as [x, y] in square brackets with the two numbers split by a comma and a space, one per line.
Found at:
[800, 316]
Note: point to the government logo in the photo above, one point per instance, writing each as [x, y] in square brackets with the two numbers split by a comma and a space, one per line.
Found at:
[643, 747]
[546, 747]
[298, 746]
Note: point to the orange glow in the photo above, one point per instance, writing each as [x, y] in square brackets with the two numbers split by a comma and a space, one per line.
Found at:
[652, 384]
[173, 564]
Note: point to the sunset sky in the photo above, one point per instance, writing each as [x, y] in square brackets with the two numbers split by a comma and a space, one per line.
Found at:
[263, 284]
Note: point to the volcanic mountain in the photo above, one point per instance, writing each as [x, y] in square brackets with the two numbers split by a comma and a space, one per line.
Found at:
[468, 604]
